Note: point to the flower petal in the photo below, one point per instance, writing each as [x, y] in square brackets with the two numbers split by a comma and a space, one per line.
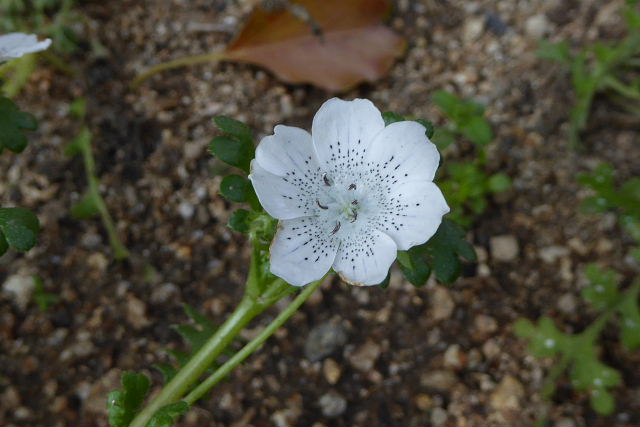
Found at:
[289, 149]
[15, 45]
[365, 258]
[412, 214]
[302, 251]
[283, 197]
[402, 152]
[342, 131]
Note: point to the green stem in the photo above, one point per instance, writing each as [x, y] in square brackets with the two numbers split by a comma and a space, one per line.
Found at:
[119, 250]
[621, 88]
[252, 346]
[200, 362]
[176, 63]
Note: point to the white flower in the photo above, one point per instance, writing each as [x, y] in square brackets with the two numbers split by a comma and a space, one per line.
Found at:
[15, 45]
[348, 197]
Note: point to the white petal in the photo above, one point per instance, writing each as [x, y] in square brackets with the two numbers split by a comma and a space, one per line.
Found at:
[283, 197]
[288, 149]
[342, 131]
[412, 213]
[365, 258]
[15, 45]
[302, 251]
[402, 152]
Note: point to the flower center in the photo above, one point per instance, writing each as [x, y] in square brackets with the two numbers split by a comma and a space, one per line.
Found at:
[340, 203]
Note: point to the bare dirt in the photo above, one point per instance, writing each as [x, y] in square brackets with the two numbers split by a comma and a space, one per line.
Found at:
[431, 356]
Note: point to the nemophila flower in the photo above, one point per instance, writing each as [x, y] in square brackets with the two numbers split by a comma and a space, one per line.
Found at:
[349, 195]
[15, 45]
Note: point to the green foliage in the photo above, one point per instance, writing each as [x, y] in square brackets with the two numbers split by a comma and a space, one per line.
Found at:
[123, 405]
[624, 201]
[19, 228]
[42, 298]
[168, 414]
[466, 185]
[441, 254]
[390, 117]
[195, 335]
[467, 117]
[238, 189]
[236, 148]
[13, 123]
[91, 202]
[579, 352]
[601, 67]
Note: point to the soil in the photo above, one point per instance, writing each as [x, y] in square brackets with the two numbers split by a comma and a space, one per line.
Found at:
[438, 355]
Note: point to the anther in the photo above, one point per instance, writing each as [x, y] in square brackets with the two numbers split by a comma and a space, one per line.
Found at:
[354, 203]
[325, 178]
[335, 230]
[321, 206]
[352, 187]
[355, 216]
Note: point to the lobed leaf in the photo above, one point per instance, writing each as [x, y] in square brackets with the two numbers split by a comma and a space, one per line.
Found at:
[235, 128]
[418, 270]
[19, 227]
[629, 310]
[444, 250]
[236, 188]
[168, 414]
[123, 405]
[240, 221]
[545, 339]
[13, 123]
[602, 291]
[86, 207]
[233, 151]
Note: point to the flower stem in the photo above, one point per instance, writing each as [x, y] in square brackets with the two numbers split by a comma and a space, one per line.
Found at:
[252, 346]
[202, 360]
[120, 252]
[176, 63]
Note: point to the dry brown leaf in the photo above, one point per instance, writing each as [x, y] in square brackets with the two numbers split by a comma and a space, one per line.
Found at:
[354, 46]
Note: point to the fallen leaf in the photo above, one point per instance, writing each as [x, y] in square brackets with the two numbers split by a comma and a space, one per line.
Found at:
[354, 45]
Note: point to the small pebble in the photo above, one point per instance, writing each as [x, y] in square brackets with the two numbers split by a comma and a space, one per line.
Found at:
[332, 404]
[504, 248]
[324, 339]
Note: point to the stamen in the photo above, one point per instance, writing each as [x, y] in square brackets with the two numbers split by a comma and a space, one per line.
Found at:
[355, 216]
[352, 187]
[325, 178]
[335, 230]
[354, 203]
[321, 206]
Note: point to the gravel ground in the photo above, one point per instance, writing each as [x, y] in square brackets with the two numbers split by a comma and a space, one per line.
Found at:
[402, 356]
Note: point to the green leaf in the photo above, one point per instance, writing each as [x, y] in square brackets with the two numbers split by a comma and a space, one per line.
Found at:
[450, 104]
[602, 401]
[498, 182]
[443, 251]
[236, 188]
[602, 291]
[42, 298]
[385, 283]
[167, 415]
[477, 130]
[629, 309]
[443, 138]
[428, 126]
[594, 205]
[240, 221]
[589, 373]
[12, 124]
[545, 339]
[86, 207]
[235, 128]
[78, 108]
[391, 117]
[196, 337]
[419, 271]
[404, 258]
[167, 371]
[554, 51]
[232, 151]
[123, 405]
[4, 246]
[79, 144]
[20, 227]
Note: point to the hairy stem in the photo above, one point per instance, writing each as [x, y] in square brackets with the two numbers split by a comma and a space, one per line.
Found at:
[252, 346]
[200, 362]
